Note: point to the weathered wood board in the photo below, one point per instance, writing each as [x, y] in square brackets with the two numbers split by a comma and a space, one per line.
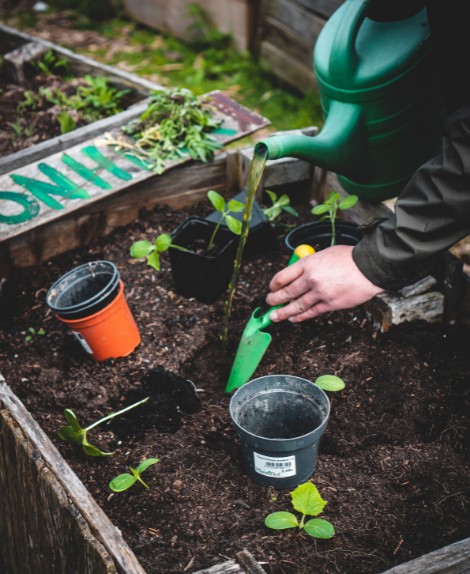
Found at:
[234, 17]
[66, 182]
[287, 34]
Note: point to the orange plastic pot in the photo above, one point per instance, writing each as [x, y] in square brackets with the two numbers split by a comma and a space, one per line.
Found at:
[110, 332]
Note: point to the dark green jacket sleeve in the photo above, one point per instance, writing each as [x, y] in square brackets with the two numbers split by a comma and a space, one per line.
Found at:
[431, 214]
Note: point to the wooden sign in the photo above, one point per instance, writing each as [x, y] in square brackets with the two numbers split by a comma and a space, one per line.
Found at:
[70, 180]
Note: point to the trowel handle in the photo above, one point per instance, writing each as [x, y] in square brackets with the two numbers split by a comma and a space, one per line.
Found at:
[300, 252]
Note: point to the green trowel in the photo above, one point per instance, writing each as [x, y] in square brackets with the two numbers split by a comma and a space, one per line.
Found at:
[255, 341]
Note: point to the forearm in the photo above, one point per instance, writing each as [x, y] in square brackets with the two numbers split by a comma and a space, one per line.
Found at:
[431, 214]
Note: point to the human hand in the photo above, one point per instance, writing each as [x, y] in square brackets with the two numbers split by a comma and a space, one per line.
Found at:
[328, 280]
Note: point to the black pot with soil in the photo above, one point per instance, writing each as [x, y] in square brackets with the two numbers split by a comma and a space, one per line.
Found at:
[199, 271]
[318, 234]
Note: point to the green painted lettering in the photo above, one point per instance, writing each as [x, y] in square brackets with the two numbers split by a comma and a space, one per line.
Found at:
[64, 187]
[29, 204]
[86, 173]
[105, 163]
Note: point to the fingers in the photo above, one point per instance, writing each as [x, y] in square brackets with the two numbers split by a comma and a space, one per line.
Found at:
[295, 308]
[287, 285]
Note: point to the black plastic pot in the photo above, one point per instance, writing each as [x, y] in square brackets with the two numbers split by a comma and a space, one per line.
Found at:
[84, 290]
[261, 235]
[204, 276]
[318, 234]
[280, 420]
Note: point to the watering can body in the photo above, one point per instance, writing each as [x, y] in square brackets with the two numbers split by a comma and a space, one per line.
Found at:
[384, 113]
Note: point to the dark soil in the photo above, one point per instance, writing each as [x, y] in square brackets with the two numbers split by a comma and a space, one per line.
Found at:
[393, 463]
[22, 126]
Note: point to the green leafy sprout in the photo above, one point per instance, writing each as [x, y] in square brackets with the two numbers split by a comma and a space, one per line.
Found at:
[51, 64]
[144, 249]
[74, 433]
[279, 204]
[307, 500]
[330, 383]
[33, 333]
[328, 210]
[225, 208]
[126, 480]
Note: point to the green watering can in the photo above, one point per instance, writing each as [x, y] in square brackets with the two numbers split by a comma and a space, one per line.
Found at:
[383, 110]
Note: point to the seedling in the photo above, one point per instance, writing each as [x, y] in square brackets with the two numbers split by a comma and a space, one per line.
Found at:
[33, 333]
[224, 208]
[51, 64]
[75, 434]
[329, 209]
[279, 204]
[144, 249]
[307, 500]
[330, 383]
[126, 480]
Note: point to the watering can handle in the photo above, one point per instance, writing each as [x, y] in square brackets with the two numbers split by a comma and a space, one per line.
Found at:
[344, 58]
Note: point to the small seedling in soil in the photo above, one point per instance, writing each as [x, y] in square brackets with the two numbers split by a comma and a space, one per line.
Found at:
[51, 64]
[330, 383]
[224, 208]
[75, 434]
[144, 249]
[126, 480]
[307, 500]
[279, 204]
[32, 334]
[328, 210]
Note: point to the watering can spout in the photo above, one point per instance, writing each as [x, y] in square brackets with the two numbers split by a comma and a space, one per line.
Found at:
[341, 146]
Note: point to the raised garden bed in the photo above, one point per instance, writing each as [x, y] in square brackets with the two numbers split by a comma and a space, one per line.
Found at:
[392, 463]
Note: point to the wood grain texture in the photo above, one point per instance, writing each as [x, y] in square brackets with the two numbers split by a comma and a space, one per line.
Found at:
[49, 522]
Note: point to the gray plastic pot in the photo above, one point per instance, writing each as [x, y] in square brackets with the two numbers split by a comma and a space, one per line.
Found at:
[280, 420]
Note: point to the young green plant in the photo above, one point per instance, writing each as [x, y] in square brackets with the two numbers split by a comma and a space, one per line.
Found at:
[33, 333]
[126, 480]
[307, 500]
[328, 210]
[144, 249]
[74, 433]
[330, 383]
[279, 204]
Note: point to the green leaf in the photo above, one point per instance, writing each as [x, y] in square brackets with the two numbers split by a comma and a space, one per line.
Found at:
[71, 418]
[283, 200]
[92, 450]
[122, 482]
[333, 198]
[235, 206]
[41, 332]
[217, 200]
[320, 209]
[307, 500]
[145, 464]
[68, 434]
[163, 242]
[141, 249]
[291, 210]
[319, 528]
[234, 225]
[281, 520]
[330, 383]
[348, 202]
[272, 195]
[154, 260]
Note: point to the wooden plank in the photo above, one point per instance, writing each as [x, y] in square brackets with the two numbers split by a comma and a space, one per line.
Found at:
[304, 26]
[49, 519]
[14, 62]
[323, 8]
[232, 17]
[293, 72]
[452, 559]
[44, 191]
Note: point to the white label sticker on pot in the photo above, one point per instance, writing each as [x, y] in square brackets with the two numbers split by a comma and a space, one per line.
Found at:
[82, 342]
[276, 467]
